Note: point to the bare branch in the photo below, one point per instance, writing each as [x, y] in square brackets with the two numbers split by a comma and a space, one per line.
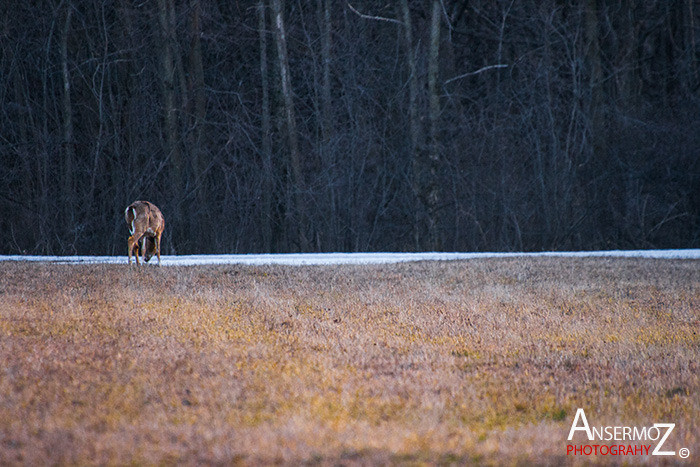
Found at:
[500, 65]
[377, 18]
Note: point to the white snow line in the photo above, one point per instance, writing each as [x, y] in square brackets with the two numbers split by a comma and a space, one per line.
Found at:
[303, 259]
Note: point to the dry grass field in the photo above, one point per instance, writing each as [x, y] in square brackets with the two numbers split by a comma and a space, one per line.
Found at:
[480, 361]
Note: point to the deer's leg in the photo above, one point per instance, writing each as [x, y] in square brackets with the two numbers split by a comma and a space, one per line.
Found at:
[157, 241]
[142, 248]
[130, 244]
[134, 246]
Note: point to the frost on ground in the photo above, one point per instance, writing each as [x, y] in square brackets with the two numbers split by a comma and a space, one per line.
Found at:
[300, 259]
[476, 361]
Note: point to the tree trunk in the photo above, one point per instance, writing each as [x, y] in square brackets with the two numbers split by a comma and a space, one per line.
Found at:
[291, 127]
[416, 138]
[692, 80]
[198, 113]
[327, 127]
[595, 170]
[432, 188]
[67, 195]
[170, 116]
[266, 211]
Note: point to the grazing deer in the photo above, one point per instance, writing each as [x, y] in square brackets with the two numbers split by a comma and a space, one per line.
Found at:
[146, 226]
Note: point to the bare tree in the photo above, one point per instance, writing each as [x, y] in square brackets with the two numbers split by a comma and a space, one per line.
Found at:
[298, 185]
[68, 187]
[266, 212]
[327, 124]
[198, 108]
[433, 189]
[168, 86]
[415, 129]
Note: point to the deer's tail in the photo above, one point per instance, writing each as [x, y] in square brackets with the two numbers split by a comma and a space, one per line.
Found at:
[130, 215]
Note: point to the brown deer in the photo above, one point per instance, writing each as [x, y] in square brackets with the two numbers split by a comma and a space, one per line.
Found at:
[146, 226]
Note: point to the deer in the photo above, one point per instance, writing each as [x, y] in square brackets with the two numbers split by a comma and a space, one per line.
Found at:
[146, 224]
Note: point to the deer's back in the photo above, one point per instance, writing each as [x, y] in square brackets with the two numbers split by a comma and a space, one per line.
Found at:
[152, 215]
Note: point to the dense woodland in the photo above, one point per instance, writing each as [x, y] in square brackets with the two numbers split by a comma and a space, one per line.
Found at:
[329, 125]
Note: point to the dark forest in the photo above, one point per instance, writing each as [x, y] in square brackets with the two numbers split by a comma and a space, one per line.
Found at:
[327, 125]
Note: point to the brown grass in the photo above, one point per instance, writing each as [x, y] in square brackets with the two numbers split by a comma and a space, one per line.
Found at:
[476, 361]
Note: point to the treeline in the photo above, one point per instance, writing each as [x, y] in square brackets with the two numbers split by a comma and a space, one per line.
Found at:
[328, 125]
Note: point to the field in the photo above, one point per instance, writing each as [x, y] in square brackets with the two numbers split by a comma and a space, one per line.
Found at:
[478, 361]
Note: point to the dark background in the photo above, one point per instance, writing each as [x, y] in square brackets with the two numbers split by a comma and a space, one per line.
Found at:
[335, 126]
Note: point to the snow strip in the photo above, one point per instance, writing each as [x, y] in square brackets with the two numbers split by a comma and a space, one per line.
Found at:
[303, 259]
